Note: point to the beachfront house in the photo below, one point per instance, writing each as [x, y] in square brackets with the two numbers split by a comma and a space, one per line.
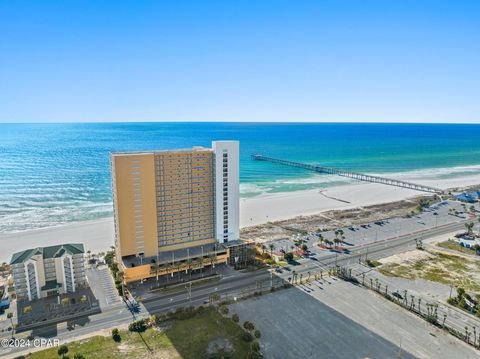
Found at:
[48, 271]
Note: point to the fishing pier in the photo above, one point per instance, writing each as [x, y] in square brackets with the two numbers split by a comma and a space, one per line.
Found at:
[350, 174]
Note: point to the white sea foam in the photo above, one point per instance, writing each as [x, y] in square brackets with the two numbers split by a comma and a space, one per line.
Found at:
[48, 205]
[434, 173]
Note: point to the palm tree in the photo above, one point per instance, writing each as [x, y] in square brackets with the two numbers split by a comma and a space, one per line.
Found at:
[10, 316]
[154, 268]
[168, 266]
[321, 239]
[469, 227]
[121, 278]
[335, 241]
[271, 246]
[263, 249]
[212, 258]
[178, 266]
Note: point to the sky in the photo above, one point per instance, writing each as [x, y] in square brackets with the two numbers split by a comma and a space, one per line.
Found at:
[268, 60]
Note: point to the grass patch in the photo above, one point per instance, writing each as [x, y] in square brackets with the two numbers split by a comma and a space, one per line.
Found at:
[455, 246]
[437, 275]
[184, 338]
[441, 267]
[397, 270]
[191, 337]
[131, 345]
[419, 265]
[373, 263]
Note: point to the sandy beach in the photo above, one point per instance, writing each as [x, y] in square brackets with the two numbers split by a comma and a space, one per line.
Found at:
[98, 235]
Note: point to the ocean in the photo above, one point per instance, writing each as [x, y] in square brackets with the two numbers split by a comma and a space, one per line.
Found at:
[58, 173]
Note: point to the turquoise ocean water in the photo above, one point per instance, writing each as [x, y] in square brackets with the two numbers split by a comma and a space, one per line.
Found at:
[58, 173]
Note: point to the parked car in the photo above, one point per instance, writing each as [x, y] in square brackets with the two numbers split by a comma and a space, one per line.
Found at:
[397, 295]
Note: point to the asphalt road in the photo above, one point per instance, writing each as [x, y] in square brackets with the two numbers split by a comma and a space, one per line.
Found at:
[374, 250]
[117, 315]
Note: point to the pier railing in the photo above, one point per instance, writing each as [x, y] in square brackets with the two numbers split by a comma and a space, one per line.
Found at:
[350, 174]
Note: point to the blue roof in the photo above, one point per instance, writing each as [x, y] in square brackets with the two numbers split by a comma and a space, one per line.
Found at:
[468, 197]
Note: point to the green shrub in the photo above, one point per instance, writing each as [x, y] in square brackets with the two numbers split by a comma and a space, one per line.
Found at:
[224, 309]
[373, 263]
[288, 256]
[247, 336]
[248, 325]
[257, 334]
[62, 349]
[116, 335]
[138, 326]
[452, 301]
[235, 318]
[255, 355]
[255, 346]
[200, 309]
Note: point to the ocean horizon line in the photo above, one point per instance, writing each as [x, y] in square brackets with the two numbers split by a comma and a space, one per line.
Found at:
[303, 122]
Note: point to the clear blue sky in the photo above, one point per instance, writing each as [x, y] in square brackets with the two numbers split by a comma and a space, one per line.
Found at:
[316, 60]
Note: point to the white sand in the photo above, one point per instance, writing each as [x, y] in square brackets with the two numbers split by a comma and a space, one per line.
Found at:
[98, 235]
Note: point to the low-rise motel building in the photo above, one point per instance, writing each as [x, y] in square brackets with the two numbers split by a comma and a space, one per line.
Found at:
[48, 271]
[175, 210]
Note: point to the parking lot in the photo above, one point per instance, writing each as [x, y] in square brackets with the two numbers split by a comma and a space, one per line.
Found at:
[433, 216]
[102, 286]
[335, 319]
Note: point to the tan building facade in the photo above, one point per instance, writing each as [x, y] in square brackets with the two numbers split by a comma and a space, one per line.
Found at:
[48, 271]
[165, 208]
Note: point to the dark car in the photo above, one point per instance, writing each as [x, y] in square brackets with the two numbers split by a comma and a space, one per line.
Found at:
[397, 295]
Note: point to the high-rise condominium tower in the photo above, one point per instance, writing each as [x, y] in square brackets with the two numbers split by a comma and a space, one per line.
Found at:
[175, 206]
